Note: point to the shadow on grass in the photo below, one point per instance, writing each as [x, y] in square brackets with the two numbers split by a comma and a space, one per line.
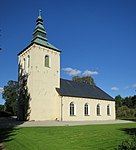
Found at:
[8, 124]
[130, 119]
[7, 127]
[6, 134]
[130, 131]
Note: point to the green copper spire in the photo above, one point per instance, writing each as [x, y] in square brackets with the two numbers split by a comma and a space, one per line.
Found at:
[39, 34]
[39, 31]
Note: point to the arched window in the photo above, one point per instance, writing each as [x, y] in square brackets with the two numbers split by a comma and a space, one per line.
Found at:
[98, 110]
[72, 109]
[46, 61]
[24, 63]
[108, 110]
[28, 61]
[86, 109]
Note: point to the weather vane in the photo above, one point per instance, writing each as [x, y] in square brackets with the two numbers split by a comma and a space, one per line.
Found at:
[40, 12]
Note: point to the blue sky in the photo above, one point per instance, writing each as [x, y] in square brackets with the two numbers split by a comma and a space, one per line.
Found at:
[96, 37]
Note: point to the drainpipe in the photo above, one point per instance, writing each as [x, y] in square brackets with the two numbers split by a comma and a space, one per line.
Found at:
[61, 108]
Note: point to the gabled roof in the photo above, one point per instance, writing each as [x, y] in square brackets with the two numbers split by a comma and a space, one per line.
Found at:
[83, 90]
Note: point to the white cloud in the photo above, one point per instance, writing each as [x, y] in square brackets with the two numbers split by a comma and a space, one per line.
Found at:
[1, 89]
[71, 71]
[134, 86]
[114, 88]
[74, 72]
[126, 87]
[88, 72]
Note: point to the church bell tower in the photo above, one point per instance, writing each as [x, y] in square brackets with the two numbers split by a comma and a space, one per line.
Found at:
[40, 63]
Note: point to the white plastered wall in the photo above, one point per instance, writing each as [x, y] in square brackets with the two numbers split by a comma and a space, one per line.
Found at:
[42, 82]
[79, 106]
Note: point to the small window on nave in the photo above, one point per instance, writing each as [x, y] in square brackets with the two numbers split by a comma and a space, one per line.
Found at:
[108, 110]
[72, 109]
[86, 109]
[98, 110]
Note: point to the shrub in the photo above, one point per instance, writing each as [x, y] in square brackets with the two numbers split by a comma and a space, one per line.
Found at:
[124, 111]
[127, 144]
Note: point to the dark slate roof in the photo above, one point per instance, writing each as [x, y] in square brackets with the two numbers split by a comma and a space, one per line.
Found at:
[76, 89]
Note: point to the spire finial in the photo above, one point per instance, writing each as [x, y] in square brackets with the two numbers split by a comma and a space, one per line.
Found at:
[40, 12]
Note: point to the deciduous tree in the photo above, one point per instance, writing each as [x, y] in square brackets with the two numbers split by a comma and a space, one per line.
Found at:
[86, 79]
[10, 96]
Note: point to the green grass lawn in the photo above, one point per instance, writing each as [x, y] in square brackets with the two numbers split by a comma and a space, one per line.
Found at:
[93, 137]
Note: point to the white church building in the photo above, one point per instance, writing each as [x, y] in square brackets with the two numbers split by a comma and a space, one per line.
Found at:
[53, 98]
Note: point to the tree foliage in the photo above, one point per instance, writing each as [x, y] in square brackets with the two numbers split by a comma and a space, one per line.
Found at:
[118, 99]
[126, 107]
[23, 107]
[10, 96]
[1, 107]
[23, 110]
[86, 79]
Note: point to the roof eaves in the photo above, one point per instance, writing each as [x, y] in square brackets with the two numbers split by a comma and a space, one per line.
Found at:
[48, 46]
[87, 97]
[25, 49]
[37, 44]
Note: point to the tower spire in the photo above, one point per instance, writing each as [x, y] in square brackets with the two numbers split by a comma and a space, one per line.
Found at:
[39, 34]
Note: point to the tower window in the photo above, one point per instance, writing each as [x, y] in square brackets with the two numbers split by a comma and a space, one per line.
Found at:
[24, 63]
[46, 61]
[28, 61]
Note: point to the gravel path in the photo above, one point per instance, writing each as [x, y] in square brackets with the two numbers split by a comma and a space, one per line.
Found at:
[70, 123]
[11, 122]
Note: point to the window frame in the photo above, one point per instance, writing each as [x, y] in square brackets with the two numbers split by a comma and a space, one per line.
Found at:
[108, 110]
[28, 61]
[72, 109]
[47, 61]
[98, 110]
[86, 109]
[24, 63]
